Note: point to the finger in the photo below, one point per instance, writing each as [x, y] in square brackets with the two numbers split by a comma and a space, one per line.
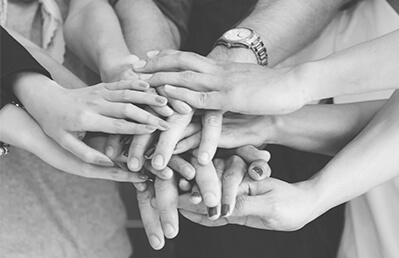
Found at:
[211, 129]
[259, 169]
[136, 97]
[127, 85]
[186, 204]
[110, 173]
[141, 187]
[176, 61]
[184, 185]
[208, 183]
[162, 111]
[183, 167]
[178, 105]
[192, 129]
[186, 79]
[195, 197]
[189, 143]
[214, 212]
[165, 173]
[130, 111]
[168, 140]
[114, 146]
[203, 219]
[138, 147]
[167, 199]
[117, 126]
[231, 180]
[83, 151]
[150, 218]
[196, 96]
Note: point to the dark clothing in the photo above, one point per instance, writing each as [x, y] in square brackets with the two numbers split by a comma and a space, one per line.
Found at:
[319, 239]
[14, 58]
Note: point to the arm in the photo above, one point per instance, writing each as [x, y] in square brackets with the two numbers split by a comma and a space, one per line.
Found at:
[146, 31]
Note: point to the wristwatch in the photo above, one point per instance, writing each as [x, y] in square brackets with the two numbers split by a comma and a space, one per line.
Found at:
[246, 38]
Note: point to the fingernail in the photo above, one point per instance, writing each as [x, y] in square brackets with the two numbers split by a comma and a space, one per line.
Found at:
[169, 88]
[105, 162]
[203, 158]
[151, 127]
[225, 209]
[150, 152]
[158, 160]
[167, 173]
[109, 151]
[124, 140]
[144, 85]
[154, 241]
[145, 76]
[139, 64]
[169, 230]
[153, 53]
[126, 153]
[143, 177]
[161, 100]
[164, 125]
[212, 212]
[210, 199]
[186, 107]
[258, 171]
[134, 163]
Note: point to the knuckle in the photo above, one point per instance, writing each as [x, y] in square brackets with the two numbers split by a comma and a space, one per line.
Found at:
[124, 95]
[143, 197]
[187, 76]
[120, 124]
[228, 177]
[202, 99]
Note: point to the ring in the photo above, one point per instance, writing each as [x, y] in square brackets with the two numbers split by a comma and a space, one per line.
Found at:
[4, 149]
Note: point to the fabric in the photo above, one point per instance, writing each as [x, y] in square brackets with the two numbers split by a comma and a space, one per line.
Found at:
[14, 58]
[46, 213]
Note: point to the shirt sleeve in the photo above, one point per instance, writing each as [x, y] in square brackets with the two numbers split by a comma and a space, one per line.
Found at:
[14, 58]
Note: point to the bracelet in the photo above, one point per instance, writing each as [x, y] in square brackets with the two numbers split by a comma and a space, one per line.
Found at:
[4, 147]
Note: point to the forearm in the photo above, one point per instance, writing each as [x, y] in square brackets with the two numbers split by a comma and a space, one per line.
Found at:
[324, 129]
[59, 73]
[368, 161]
[145, 27]
[367, 67]
[92, 31]
[287, 26]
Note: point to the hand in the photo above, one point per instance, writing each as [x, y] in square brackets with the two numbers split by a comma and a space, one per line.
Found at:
[241, 88]
[63, 114]
[119, 69]
[270, 204]
[20, 130]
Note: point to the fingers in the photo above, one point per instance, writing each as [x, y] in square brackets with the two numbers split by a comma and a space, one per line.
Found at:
[203, 219]
[130, 111]
[165, 173]
[186, 204]
[150, 218]
[212, 127]
[117, 126]
[195, 197]
[129, 96]
[138, 146]
[208, 183]
[231, 180]
[114, 146]
[83, 151]
[168, 140]
[167, 199]
[178, 105]
[176, 61]
[127, 85]
[184, 185]
[196, 96]
[183, 167]
[259, 168]
[108, 173]
[189, 143]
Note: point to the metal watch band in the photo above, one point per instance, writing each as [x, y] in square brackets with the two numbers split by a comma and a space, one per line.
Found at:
[260, 51]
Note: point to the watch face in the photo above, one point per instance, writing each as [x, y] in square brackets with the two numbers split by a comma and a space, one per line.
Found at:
[237, 34]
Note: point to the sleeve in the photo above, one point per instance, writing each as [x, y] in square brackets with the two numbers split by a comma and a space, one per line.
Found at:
[14, 58]
[178, 11]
